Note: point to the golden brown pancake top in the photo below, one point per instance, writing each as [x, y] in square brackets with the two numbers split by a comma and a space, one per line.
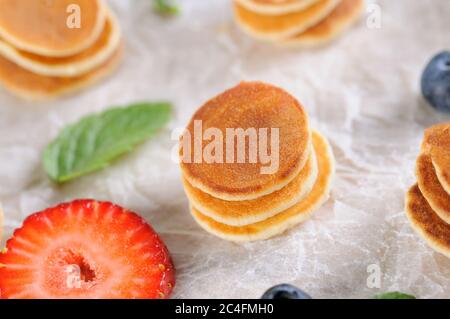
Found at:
[92, 50]
[43, 24]
[267, 23]
[437, 136]
[343, 12]
[251, 105]
[426, 220]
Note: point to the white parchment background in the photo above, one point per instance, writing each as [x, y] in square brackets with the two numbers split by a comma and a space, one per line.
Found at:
[362, 92]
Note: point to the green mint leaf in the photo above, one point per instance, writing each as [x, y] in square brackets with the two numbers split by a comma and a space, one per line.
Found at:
[96, 140]
[166, 7]
[394, 295]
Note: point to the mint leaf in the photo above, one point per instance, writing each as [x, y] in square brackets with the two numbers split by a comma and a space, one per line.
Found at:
[96, 140]
[166, 7]
[394, 295]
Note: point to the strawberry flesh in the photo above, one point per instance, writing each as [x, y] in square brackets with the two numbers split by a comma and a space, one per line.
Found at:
[86, 249]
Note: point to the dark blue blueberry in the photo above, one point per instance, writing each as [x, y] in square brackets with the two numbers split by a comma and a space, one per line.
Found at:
[436, 82]
[285, 291]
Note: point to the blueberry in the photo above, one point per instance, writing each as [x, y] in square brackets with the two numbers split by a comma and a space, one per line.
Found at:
[436, 82]
[285, 291]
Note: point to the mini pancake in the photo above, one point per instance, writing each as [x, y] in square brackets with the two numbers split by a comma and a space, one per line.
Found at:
[248, 212]
[431, 188]
[255, 106]
[426, 222]
[284, 26]
[436, 136]
[437, 143]
[275, 7]
[71, 66]
[287, 219]
[340, 19]
[33, 87]
[41, 26]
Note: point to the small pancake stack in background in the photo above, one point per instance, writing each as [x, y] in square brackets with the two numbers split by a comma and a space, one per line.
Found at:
[251, 200]
[49, 48]
[301, 23]
[428, 202]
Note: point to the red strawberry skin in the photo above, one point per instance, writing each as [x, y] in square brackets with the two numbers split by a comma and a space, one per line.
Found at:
[86, 250]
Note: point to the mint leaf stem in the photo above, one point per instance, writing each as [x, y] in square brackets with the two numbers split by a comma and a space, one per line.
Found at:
[166, 7]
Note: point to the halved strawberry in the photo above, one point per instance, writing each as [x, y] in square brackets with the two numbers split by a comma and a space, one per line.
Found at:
[86, 249]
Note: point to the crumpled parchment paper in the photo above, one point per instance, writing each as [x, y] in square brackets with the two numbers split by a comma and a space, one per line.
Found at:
[362, 92]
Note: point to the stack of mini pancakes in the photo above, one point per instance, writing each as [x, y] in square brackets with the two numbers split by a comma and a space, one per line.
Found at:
[48, 48]
[254, 200]
[303, 23]
[428, 202]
